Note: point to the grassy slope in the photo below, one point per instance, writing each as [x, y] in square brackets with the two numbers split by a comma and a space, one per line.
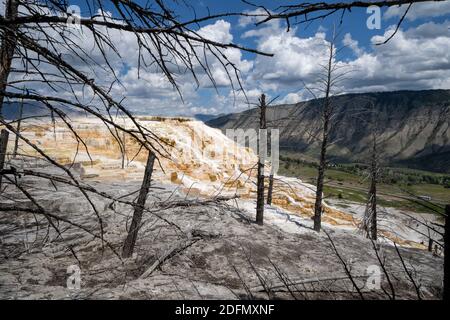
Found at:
[352, 187]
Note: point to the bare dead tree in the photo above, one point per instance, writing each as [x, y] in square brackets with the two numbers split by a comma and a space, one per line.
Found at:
[371, 207]
[307, 12]
[124, 149]
[262, 142]
[369, 223]
[430, 240]
[270, 188]
[130, 241]
[328, 81]
[9, 41]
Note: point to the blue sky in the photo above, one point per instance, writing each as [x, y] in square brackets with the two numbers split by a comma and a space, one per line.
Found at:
[418, 57]
[353, 24]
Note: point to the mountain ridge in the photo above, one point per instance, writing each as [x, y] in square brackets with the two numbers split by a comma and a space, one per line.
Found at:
[414, 127]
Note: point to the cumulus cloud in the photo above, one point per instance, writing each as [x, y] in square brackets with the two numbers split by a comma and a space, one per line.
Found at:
[147, 89]
[430, 30]
[294, 58]
[253, 17]
[419, 10]
[237, 101]
[417, 58]
[220, 31]
[150, 91]
[291, 98]
[413, 59]
[352, 44]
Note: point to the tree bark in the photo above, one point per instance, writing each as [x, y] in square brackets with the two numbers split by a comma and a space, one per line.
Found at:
[270, 191]
[327, 113]
[3, 144]
[373, 198]
[430, 245]
[260, 178]
[7, 49]
[124, 150]
[130, 241]
[370, 215]
[319, 188]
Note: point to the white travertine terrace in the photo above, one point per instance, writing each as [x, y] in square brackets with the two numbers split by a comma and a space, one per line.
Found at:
[202, 161]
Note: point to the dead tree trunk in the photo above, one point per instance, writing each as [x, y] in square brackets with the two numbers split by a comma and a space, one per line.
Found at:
[19, 120]
[373, 189]
[260, 178]
[373, 204]
[326, 117]
[319, 188]
[130, 241]
[370, 215]
[369, 223]
[124, 151]
[3, 144]
[270, 191]
[430, 244]
[447, 254]
[8, 46]
[272, 170]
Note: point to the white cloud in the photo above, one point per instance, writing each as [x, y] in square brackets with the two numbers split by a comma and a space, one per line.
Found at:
[219, 32]
[430, 30]
[203, 110]
[418, 58]
[237, 101]
[410, 60]
[245, 21]
[352, 44]
[149, 89]
[419, 10]
[291, 98]
[294, 58]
